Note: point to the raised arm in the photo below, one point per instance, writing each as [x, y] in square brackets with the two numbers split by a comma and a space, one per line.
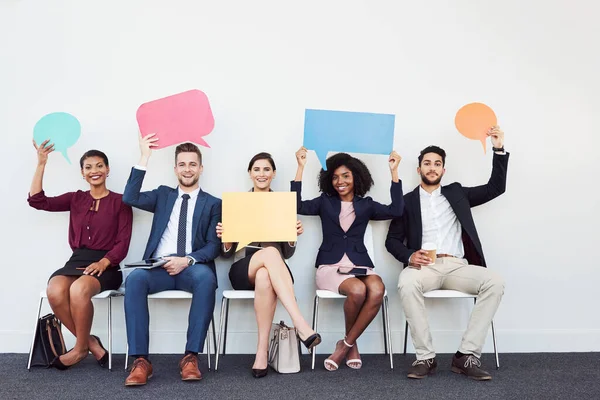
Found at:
[37, 198]
[132, 195]
[396, 208]
[307, 207]
[496, 185]
[227, 249]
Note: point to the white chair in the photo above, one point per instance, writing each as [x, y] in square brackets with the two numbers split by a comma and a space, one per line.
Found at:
[453, 294]
[326, 294]
[179, 295]
[108, 295]
[227, 296]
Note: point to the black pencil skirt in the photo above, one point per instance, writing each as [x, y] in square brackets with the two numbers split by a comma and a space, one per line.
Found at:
[110, 279]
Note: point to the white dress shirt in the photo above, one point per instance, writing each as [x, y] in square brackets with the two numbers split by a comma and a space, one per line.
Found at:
[168, 242]
[440, 224]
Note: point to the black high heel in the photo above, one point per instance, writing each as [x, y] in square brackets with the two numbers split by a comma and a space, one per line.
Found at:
[104, 360]
[56, 363]
[260, 373]
[311, 341]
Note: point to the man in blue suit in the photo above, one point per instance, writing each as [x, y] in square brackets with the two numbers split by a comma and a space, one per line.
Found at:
[184, 233]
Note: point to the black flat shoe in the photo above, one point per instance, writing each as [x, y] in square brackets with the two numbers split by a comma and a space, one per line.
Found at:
[104, 360]
[311, 341]
[260, 373]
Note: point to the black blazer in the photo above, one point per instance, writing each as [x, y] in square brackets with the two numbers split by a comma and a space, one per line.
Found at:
[409, 228]
[336, 242]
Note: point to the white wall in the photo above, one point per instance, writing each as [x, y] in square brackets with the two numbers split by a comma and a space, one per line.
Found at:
[261, 64]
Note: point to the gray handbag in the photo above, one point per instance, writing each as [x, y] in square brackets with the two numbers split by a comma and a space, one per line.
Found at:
[284, 349]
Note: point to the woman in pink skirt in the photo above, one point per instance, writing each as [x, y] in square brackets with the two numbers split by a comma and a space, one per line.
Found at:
[343, 264]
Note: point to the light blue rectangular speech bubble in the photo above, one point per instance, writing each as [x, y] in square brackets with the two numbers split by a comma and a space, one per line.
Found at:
[344, 131]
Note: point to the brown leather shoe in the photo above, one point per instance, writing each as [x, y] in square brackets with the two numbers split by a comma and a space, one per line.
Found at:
[470, 365]
[188, 367]
[141, 371]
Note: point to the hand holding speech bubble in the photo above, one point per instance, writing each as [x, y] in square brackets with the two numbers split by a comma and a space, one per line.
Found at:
[176, 119]
[62, 129]
[353, 132]
[474, 120]
[259, 217]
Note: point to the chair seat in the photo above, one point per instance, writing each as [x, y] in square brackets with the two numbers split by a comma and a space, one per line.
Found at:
[102, 295]
[238, 294]
[448, 294]
[170, 294]
[327, 294]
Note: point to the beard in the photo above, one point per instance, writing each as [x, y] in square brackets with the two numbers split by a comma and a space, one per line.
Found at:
[192, 183]
[430, 182]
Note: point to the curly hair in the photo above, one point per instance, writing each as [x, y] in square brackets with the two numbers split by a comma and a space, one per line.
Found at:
[360, 173]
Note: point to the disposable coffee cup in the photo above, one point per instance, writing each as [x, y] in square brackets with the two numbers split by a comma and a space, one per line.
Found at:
[431, 250]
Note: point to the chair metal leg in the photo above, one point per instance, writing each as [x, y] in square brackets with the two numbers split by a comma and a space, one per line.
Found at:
[383, 319]
[126, 356]
[388, 332]
[315, 327]
[226, 326]
[214, 334]
[110, 333]
[34, 331]
[209, 343]
[405, 336]
[221, 321]
[495, 348]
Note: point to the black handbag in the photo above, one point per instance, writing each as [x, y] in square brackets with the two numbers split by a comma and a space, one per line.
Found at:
[49, 342]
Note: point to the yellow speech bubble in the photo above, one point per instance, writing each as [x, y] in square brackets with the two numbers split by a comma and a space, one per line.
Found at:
[259, 217]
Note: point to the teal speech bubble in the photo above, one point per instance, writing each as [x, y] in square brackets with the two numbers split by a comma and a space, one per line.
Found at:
[62, 129]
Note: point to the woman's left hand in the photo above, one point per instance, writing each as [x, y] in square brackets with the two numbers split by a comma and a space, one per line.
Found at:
[96, 268]
[394, 160]
[299, 228]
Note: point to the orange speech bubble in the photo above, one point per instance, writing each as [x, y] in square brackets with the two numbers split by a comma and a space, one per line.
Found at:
[474, 121]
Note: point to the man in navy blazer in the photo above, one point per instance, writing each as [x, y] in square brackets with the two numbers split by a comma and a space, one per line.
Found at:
[184, 233]
[440, 217]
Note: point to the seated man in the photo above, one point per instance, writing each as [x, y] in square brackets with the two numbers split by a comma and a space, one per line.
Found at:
[442, 216]
[185, 236]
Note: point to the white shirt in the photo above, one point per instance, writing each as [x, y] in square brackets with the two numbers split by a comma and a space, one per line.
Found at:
[168, 242]
[440, 224]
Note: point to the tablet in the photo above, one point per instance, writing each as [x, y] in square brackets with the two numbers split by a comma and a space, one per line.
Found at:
[147, 263]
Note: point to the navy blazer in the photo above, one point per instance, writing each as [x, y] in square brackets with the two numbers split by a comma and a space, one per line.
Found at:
[336, 242]
[409, 228]
[160, 201]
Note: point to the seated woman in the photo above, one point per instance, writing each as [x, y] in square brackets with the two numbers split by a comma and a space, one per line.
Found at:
[99, 235]
[345, 214]
[266, 272]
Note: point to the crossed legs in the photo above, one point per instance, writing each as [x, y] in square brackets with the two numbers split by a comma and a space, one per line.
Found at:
[272, 281]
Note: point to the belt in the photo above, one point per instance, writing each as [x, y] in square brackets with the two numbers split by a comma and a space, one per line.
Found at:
[444, 255]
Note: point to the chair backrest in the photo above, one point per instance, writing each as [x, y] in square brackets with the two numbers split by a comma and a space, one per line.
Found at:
[369, 241]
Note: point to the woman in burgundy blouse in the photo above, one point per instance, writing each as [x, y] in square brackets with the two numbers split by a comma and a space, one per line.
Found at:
[99, 235]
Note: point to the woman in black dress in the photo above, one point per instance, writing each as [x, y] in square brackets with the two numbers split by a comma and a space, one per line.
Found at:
[266, 272]
[99, 235]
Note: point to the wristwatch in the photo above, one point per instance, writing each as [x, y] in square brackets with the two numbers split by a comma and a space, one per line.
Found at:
[500, 149]
[190, 260]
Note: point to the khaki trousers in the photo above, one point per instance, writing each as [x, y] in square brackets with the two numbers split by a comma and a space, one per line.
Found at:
[456, 274]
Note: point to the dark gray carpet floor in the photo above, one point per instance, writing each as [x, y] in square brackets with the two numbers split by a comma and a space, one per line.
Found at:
[573, 376]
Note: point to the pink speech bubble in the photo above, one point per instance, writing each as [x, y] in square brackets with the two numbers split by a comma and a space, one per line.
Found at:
[178, 118]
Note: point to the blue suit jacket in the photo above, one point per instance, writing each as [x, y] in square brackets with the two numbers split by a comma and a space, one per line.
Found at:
[207, 213]
[336, 242]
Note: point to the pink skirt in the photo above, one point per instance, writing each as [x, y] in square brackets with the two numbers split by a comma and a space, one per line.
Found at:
[328, 278]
